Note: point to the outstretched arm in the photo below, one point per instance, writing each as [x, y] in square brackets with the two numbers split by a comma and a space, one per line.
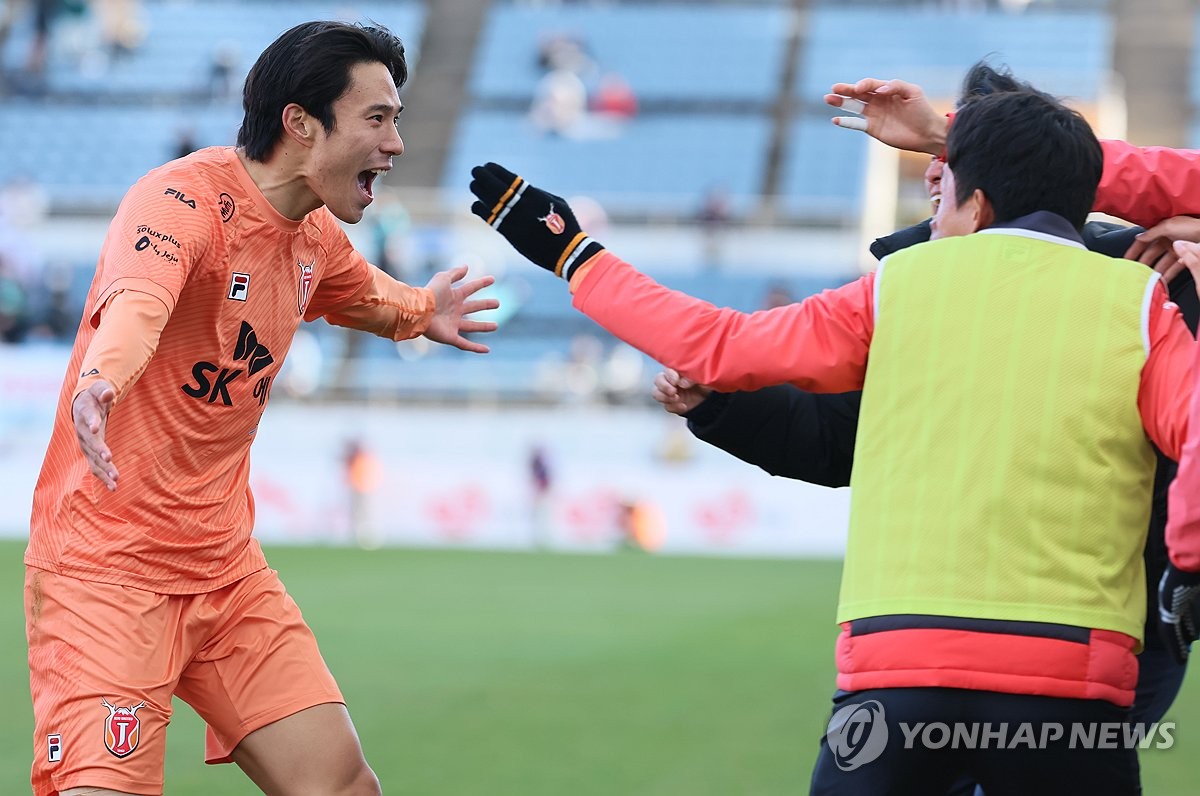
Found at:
[784, 430]
[389, 308]
[819, 344]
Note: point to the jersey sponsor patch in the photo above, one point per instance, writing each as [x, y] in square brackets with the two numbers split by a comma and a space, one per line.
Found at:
[249, 350]
[54, 747]
[228, 207]
[122, 728]
[239, 286]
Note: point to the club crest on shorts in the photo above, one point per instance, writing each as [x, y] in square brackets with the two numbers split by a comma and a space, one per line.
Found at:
[553, 221]
[122, 728]
[305, 284]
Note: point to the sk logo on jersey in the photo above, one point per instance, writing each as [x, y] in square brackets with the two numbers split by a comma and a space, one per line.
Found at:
[122, 728]
[248, 350]
[306, 277]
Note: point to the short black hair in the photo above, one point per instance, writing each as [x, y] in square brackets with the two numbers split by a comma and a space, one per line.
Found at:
[310, 66]
[983, 79]
[1027, 152]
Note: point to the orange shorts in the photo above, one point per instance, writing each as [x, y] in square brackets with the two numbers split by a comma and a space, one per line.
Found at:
[104, 662]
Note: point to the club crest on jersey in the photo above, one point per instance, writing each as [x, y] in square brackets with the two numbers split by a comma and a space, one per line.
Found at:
[553, 221]
[122, 728]
[302, 289]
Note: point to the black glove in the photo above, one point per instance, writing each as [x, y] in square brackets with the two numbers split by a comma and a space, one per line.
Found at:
[539, 225]
[1178, 598]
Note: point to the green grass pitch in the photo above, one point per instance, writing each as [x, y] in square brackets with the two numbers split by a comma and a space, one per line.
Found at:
[528, 674]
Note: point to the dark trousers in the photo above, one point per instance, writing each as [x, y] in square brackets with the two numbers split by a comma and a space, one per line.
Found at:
[1159, 681]
[864, 753]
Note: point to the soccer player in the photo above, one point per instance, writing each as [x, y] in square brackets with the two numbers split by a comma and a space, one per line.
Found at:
[811, 437]
[1002, 472]
[143, 581]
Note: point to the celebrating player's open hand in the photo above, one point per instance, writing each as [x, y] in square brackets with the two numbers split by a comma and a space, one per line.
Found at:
[1189, 256]
[90, 412]
[454, 304]
[895, 112]
[678, 395]
[1156, 246]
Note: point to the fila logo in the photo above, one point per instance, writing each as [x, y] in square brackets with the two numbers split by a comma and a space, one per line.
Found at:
[181, 197]
[54, 747]
[239, 286]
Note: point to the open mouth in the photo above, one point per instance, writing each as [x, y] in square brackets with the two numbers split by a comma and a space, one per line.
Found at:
[366, 183]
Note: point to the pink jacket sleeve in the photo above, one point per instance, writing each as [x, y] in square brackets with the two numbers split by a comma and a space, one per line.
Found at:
[1183, 499]
[819, 344]
[1146, 185]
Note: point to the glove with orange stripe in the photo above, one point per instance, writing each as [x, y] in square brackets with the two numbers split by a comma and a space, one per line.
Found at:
[538, 224]
[1178, 614]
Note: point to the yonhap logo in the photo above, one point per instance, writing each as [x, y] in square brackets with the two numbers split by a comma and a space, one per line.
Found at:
[857, 734]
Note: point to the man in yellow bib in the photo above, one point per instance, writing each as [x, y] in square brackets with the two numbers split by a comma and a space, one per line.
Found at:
[1012, 381]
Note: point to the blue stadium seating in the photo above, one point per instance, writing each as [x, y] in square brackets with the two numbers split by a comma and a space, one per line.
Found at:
[657, 163]
[676, 52]
[181, 38]
[1065, 53]
[823, 170]
[69, 148]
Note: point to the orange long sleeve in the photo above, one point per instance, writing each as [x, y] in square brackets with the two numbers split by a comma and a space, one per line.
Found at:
[131, 323]
[388, 308]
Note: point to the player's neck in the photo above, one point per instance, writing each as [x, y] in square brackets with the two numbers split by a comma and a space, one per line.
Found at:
[282, 183]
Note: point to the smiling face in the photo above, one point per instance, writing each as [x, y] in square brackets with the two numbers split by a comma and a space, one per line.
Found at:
[344, 162]
[953, 219]
[933, 182]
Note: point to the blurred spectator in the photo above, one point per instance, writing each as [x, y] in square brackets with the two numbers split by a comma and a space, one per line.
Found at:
[122, 28]
[23, 206]
[539, 501]
[559, 103]
[778, 295]
[641, 525]
[13, 305]
[364, 474]
[56, 316]
[223, 79]
[564, 52]
[43, 19]
[713, 217]
[185, 142]
[614, 98]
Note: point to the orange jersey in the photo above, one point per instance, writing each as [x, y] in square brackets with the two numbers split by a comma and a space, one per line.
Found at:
[237, 278]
